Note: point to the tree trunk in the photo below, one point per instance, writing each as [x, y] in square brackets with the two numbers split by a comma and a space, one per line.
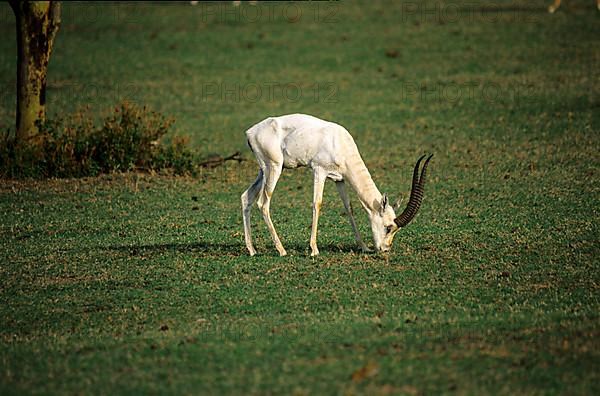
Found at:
[37, 24]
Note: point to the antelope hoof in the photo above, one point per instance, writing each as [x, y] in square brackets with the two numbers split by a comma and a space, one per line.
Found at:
[314, 253]
[551, 9]
[282, 253]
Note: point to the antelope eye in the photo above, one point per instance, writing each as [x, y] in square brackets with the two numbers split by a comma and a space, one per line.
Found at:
[389, 229]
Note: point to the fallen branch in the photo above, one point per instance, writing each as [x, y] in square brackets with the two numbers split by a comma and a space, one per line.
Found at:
[217, 160]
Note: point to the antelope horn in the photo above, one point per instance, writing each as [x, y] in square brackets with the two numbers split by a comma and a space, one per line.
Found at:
[416, 194]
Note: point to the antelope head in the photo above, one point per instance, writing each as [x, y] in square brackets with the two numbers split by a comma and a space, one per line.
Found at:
[384, 222]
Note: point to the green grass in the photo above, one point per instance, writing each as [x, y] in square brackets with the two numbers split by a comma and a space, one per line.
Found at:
[142, 283]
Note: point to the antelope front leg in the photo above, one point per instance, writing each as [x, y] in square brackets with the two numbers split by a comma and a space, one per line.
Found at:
[341, 186]
[320, 175]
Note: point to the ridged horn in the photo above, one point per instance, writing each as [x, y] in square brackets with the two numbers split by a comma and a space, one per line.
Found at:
[416, 194]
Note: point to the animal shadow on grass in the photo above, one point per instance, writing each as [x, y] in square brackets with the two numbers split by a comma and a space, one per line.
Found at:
[200, 247]
[224, 249]
[302, 248]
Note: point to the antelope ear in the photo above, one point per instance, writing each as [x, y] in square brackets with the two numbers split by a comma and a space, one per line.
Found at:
[384, 204]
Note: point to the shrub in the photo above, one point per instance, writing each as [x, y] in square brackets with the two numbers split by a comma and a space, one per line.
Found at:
[128, 139]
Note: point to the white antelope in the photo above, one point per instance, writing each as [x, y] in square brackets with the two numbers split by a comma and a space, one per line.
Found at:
[296, 140]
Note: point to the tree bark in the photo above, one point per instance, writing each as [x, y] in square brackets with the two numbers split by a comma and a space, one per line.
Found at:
[37, 25]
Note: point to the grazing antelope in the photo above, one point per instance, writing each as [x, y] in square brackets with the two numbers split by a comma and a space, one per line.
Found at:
[296, 140]
[556, 4]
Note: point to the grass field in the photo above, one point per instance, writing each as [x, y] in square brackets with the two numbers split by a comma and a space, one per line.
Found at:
[142, 283]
